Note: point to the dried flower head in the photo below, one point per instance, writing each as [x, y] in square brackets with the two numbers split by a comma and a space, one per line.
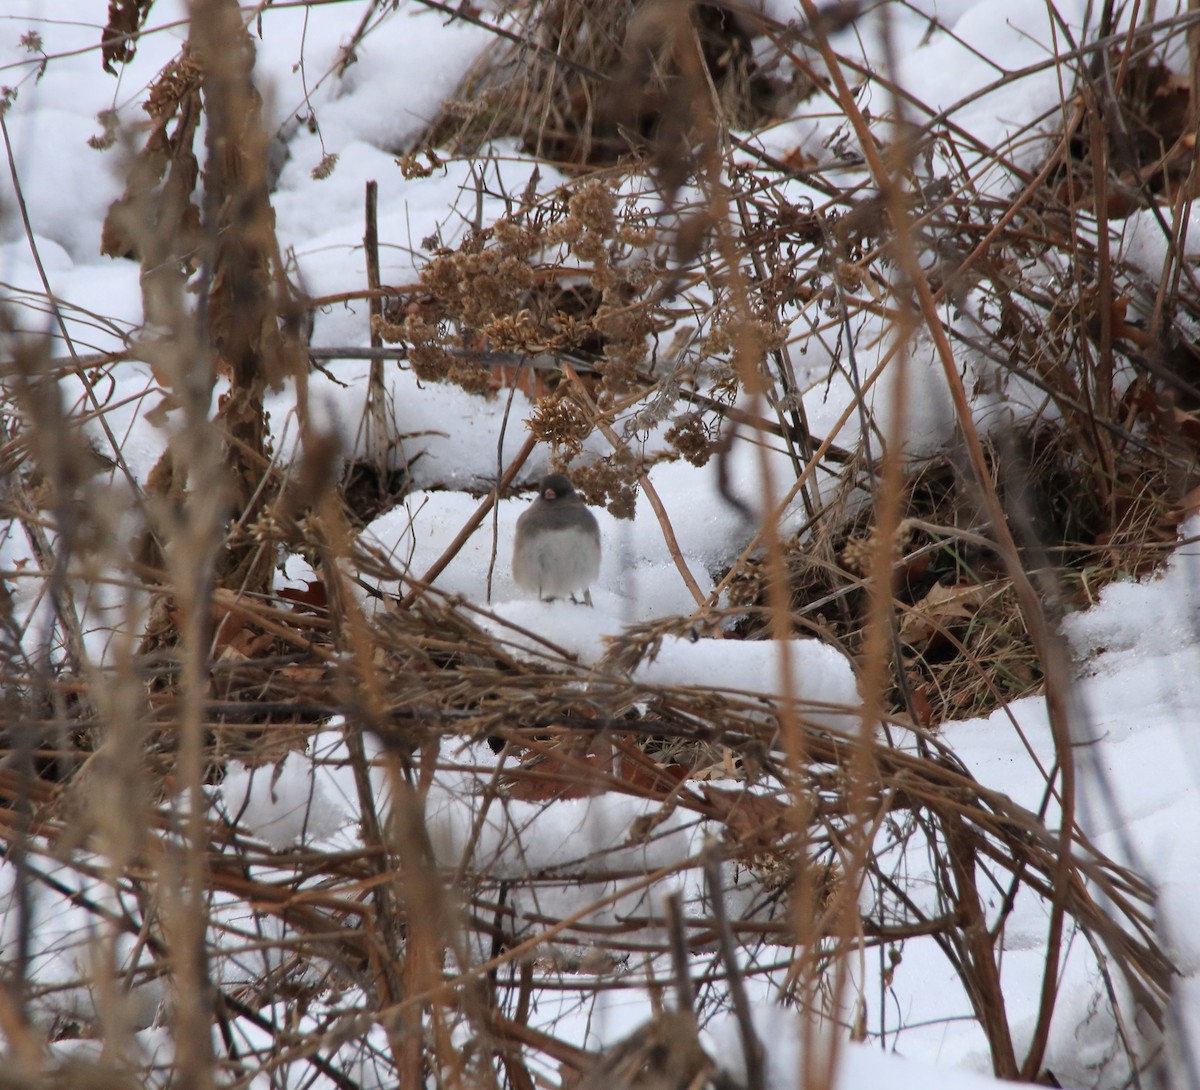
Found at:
[562, 423]
[612, 481]
[689, 435]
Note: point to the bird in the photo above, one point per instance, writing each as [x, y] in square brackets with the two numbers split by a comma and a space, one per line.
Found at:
[556, 550]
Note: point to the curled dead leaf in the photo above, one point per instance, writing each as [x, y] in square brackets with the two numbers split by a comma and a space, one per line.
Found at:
[942, 607]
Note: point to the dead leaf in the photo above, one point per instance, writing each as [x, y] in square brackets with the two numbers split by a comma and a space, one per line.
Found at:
[756, 823]
[942, 607]
[313, 598]
[119, 42]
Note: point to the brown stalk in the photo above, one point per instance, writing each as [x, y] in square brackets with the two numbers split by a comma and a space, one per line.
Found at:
[980, 969]
[374, 430]
[1054, 660]
[437, 944]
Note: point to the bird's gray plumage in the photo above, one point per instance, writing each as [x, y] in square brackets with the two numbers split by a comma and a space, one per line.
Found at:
[556, 551]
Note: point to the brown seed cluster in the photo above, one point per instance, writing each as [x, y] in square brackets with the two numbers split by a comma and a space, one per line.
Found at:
[579, 275]
[612, 481]
[689, 435]
[564, 275]
[562, 423]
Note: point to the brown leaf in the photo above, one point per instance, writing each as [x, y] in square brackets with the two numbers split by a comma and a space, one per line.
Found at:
[314, 598]
[756, 823]
[921, 706]
[941, 607]
[155, 218]
[528, 380]
[1189, 504]
[119, 42]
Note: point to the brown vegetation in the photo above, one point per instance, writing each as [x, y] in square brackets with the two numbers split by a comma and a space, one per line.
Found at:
[942, 581]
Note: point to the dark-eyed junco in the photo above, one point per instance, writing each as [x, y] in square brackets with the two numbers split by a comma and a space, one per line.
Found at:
[556, 551]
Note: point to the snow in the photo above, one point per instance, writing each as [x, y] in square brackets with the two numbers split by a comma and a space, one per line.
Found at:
[1137, 651]
[1147, 240]
[857, 1065]
[816, 675]
[285, 805]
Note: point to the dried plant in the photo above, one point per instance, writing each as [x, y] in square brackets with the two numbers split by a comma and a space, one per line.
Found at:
[666, 297]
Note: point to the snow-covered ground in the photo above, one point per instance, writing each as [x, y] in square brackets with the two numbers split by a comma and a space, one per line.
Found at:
[1137, 651]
